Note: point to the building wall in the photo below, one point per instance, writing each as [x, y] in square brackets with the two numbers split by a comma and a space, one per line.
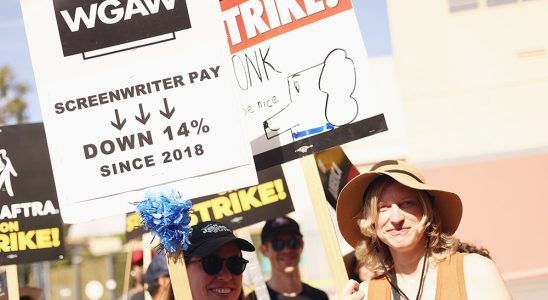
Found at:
[472, 82]
[504, 208]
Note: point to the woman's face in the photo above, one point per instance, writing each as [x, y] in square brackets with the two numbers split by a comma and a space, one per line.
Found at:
[398, 221]
[223, 285]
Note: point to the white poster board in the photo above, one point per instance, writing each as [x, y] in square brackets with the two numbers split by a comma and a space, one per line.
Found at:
[301, 75]
[134, 95]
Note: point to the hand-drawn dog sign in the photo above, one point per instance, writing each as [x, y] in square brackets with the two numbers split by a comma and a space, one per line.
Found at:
[305, 86]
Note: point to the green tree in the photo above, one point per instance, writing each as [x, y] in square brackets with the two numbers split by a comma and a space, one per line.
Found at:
[12, 104]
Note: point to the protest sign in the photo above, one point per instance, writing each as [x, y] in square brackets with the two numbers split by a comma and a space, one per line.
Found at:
[301, 76]
[134, 95]
[236, 208]
[249, 205]
[335, 171]
[31, 229]
[134, 226]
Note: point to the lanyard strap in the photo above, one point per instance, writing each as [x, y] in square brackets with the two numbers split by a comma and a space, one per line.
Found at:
[393, 280]
[395, 289]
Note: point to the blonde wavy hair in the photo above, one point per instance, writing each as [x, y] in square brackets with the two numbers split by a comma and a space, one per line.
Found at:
[374, 254]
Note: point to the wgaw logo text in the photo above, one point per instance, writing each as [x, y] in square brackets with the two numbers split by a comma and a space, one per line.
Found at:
[111, 12]
[88, 25]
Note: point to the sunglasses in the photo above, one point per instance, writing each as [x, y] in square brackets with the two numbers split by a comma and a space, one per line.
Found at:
[214, 264]
[279, 245]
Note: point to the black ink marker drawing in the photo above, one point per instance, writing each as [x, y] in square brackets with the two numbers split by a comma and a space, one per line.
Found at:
[320, 99]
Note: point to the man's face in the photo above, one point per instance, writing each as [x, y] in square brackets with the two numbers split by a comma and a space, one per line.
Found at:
[284, 251]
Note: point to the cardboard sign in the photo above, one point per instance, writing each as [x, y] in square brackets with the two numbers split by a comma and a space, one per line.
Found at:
[31, 229]
[301, 76]
[335, 171]
[246, 206]
[134, 95]
[237, 208]
[134, 226]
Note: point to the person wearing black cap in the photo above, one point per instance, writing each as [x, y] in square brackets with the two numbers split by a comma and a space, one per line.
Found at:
[214, 262]
[282, 243]
[157, 278]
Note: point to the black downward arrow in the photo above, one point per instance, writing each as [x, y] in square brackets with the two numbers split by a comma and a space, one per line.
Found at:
[118, 125]
[142, 118]
[168, 113]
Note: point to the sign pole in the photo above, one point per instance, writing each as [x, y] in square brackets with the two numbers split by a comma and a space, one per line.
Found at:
[127, 270]
[323, 218]
[179, 278]
[147, 257]
[13, 282]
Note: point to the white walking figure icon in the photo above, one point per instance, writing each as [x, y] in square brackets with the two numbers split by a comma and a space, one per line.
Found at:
[6, 170]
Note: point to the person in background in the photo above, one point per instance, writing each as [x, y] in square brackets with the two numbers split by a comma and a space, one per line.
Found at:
[356, 270]
[214, 262]
[403, 228]
[158, 280]
[137, 292]
[282, 243]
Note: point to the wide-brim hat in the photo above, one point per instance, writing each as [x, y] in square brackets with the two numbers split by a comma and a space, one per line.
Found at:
[350, 200]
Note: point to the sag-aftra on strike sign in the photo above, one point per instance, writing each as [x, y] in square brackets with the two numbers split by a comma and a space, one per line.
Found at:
[135, 94]
[31, 228]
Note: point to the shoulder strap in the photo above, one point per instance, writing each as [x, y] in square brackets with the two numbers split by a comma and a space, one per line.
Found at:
[379, 289]
[450, 283]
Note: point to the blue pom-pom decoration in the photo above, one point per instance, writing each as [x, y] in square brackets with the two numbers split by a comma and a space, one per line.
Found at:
[167, 216]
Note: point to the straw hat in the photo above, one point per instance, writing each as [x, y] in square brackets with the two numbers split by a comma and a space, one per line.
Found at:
[350, 201]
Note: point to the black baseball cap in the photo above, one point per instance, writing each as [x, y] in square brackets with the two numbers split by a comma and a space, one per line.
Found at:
[157, 268]
[209, 236]
[277, 225]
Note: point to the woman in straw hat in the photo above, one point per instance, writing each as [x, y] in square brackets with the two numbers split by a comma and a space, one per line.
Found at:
[403, 229]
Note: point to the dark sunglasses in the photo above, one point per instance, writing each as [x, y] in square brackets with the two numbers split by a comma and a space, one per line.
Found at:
[214, 264]
[278, 244]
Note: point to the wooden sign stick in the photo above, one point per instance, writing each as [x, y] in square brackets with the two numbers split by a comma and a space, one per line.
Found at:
[179, 278]
[127, 270]
[323, 218]
[147, 257]
[13, 282]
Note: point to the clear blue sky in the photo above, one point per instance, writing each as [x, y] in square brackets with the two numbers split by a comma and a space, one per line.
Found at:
[372, 16]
